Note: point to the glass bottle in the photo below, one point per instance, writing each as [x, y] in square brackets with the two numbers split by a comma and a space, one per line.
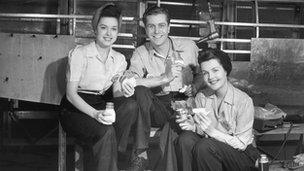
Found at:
[110, 112]
[177, 83]
[263, 163]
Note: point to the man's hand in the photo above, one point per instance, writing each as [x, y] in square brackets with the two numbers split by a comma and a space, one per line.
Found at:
[188, 91]
[186, 123]
[127, 74]
[176, 69]
[128, 86]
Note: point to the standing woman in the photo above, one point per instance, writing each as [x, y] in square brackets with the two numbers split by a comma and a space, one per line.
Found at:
[221, 137]
[92, 70]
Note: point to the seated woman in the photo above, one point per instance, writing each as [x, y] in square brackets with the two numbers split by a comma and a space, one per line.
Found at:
[92, 69]
[221, 137]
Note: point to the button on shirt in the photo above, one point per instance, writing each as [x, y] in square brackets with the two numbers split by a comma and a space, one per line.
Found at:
[147, 62]
[85, 65]
[235, 115]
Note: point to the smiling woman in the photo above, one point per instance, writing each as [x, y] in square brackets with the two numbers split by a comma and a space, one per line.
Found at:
[221, 140]
[92, 69]
[106, 33]
[106, 28]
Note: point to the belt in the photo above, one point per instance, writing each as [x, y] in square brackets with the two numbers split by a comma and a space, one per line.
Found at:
[94, 92]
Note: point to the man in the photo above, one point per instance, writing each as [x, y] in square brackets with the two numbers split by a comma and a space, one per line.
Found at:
[161, 71]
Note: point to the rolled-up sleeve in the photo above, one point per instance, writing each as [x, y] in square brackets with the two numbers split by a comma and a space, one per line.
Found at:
[136, 66]
[195, 51]
[75, 66]
[122, 66]
[116, 83]
[244, 122]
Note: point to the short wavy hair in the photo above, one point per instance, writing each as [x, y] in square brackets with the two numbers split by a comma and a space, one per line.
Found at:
[154, 10]
[107, 10]
[217, 54]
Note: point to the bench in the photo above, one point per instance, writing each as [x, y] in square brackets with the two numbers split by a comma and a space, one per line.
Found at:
[78, 153]
[61, 141]
[297, 129]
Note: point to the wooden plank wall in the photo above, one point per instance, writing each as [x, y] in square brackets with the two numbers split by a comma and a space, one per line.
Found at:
[32, 67]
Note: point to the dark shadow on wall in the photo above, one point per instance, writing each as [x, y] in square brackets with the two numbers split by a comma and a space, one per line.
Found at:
[54, 83]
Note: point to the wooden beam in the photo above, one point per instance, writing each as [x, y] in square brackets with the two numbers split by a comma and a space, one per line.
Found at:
[276, 1]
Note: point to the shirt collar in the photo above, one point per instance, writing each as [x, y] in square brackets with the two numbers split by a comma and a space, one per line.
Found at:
[93, 52]
[229, 97]
[173, 48]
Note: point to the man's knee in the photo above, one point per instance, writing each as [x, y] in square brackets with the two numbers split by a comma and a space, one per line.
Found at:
[141, 90]
[106, 132]
[186, 140]
[129, 105]
[204, 147]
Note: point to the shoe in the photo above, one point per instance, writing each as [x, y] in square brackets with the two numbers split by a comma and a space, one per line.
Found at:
[138, 164]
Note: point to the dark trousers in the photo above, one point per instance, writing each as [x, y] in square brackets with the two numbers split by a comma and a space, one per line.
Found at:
[141, 111]
[100, 138]
[207, 154]
[126, 116]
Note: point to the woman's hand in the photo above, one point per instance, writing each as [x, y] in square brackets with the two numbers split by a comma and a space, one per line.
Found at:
[204, 122]
[103, 117]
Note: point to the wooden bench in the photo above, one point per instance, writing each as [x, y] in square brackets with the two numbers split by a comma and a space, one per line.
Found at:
[61, 141]
[297, 129]
[62, 152]
[78, 150]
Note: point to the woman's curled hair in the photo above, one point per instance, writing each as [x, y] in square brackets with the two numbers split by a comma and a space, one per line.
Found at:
[217, 54]
[107, 10]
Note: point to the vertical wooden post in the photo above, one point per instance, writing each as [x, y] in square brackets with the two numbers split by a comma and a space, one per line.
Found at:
[78, 158]
[61, 148]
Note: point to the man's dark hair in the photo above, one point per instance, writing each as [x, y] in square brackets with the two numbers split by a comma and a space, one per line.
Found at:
[154, 10]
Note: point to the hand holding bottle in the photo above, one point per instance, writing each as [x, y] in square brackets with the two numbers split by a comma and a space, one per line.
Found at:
[176, 69]
[107, 116]
[100, 117]
[172, 70]
[187, 90]
[186, 122]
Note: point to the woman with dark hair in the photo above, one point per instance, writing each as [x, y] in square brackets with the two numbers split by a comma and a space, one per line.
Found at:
[218, 137]
[92, 69]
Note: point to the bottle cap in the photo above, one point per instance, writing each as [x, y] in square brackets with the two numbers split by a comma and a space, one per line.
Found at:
[110, 105]
[263, 155]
